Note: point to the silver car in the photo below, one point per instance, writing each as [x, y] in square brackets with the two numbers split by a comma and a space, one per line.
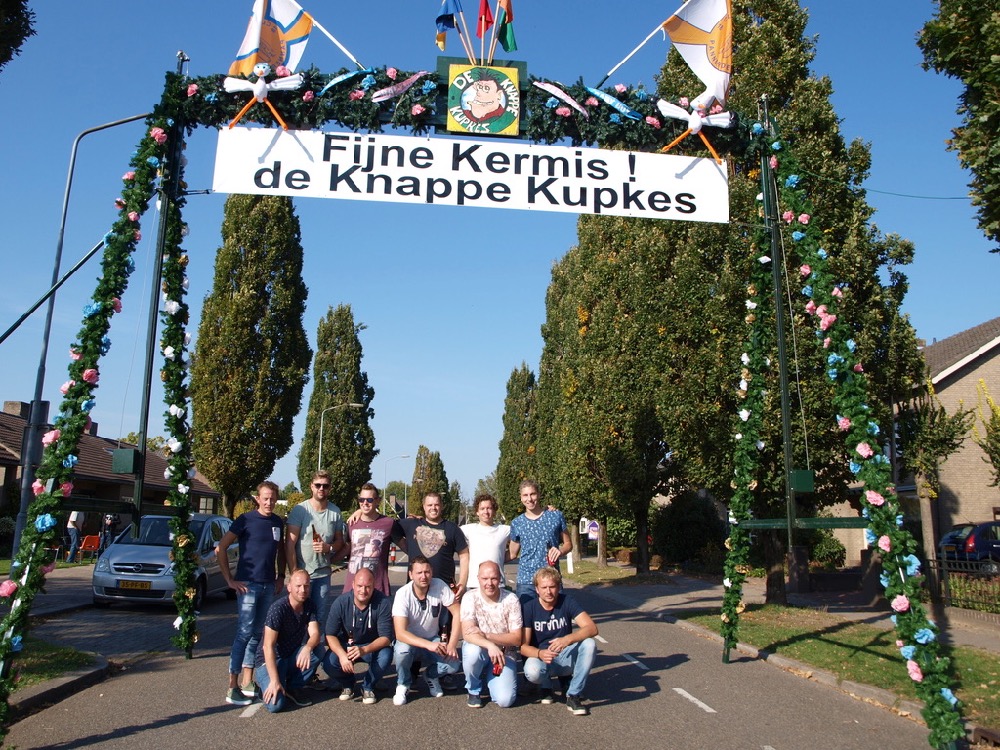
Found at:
[139, 569]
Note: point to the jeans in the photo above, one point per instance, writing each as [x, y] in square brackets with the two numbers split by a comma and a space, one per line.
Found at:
[291, 677]
[74, 542]
[435, 664]
[576, 660]
[503, 687]
[251, 609]
[378, 665]
[319, 594]
[525, 592]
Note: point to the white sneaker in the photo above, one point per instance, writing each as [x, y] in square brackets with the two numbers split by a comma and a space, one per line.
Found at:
[399, 699]
[434, 687]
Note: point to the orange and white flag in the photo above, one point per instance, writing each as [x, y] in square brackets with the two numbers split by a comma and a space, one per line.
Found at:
[277, 35]
[702, 31]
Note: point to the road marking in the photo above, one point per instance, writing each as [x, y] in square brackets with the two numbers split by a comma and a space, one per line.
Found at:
[601, 639]
[251, 710]
[703, 706]
[636, 662]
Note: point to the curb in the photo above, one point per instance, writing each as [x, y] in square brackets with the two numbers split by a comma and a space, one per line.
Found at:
[31, 700]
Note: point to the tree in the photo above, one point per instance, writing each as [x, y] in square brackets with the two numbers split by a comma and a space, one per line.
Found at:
[251, 358]
[487, 485]
[986, 433]
[289, 489]
[154, 444]
[401, 493]
[429, 476]
[518, 445]
[16, 25]
[338, 380]
[958, 42]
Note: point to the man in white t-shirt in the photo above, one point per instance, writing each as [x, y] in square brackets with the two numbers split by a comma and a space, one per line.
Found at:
[491, 627]
[487, 541]
[416, 617]
[74, 527]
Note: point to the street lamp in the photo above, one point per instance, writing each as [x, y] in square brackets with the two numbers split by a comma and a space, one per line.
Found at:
[385, 480]
[319, 453]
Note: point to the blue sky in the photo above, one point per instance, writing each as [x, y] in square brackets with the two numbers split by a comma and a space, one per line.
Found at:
[452, 299]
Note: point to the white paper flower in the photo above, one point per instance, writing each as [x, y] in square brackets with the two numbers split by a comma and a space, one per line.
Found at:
[743, 384]
[745, 358]
[187, 339]
[760, 197]
[764, 260]
[739, 435]
[169, 352]
[171, 307]
[726, 582]
[744, 414]
[183, 489]
[166, 473]
[760, 445]
[174, 445]
[185, 283]
[191, 473]
[177, 623]
[751, 305]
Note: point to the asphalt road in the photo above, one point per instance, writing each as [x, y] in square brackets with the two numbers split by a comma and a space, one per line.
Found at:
[654, 685]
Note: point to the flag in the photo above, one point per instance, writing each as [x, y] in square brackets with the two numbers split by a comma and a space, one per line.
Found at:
[485, 20]
[702, 31]
[277, 35]
[505, 28]
[446, 19]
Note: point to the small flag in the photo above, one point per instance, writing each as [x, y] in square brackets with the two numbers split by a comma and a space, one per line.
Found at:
[485, 21]
[505, 30]
[446, 20]
[277, 34]
[702, 31]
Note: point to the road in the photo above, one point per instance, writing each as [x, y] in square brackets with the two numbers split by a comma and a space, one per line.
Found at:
[654, 685]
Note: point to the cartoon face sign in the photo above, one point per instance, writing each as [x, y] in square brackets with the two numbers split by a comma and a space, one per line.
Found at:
[483, 100]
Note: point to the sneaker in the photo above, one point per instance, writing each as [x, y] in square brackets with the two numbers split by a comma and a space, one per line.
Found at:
[236, 698]
[399, 699]
[474, 701]
[547, 696]
[297, 699]
[249, 690]
[575, 706]
[346, 694]
[434, 687]
[368, 696]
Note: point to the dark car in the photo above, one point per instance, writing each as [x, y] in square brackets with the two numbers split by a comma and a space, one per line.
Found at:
[974, 543]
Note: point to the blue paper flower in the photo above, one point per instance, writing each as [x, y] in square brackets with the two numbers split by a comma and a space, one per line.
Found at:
[428, 87]
[832, 373]
[92, 309]
[899, 521]
[870, 537]
[880, 458]
[807, 290]
[105, 346]
[924, 636]
[834, 359]
[44, 522]
[821, 253]
[88, 404]
[153, 161]
[15, 643]
[949, 696]
[893, 618]
[615, 118]
[367, 82]
[552, 102]
[70, 461]
[798, 236]
[865, 513]
[756, 128]
[776, 146]
[129, 265]
[792, 181]
[641, 95]
[211, 97]
[873, 429]
[912, 565]
[908, 651]
[170, 122]
[884, 578]
[855, 467]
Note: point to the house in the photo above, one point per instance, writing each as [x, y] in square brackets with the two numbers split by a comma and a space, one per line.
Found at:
[96, 488]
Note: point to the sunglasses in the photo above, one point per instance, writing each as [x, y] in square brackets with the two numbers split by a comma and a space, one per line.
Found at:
[321, 486]
[368, 500]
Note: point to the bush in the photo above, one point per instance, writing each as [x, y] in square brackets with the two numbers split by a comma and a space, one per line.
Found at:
[621, 532]
[684, 529]
[828, 552]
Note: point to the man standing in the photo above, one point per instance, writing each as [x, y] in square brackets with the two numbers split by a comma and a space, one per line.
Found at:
[313, 536]
[359, 634]
[491, 627]
[369, 539]
[551, 647]
[438, 539]
[487, 541]
[538, 537]
[74, 527]
[416, 616]
[258, 533]
[284, 663]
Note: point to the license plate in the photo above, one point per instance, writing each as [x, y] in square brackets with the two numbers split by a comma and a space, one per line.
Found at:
[949, 548]
[138, 585]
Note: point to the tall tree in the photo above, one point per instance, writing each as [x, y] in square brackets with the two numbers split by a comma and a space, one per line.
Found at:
[251, 358]
[429, 476]
[963, 41]
[455, 508]
[518, 445]
[16, 25]
[338, 381]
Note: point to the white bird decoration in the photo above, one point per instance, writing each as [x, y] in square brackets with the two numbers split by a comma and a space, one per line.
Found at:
[260, 89]
[696, 119]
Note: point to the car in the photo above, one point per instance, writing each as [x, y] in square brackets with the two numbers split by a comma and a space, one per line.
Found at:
[974, 543]
[139, 569]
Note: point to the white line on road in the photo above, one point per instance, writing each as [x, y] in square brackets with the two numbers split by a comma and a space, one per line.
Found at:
[251, 710]
[601, 639]
[703, 706]
[636, 662]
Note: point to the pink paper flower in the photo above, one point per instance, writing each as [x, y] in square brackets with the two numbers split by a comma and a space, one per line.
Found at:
[900, 603]
[7, 588]
[826, 321]
[811, 307]
[116, 304]
[787, 217]
[805, 269]
[37, 487]
[826, 343]
[391, 73]
[716, 109]
[591, 102]
[119, 203]
[652, 121]
[684, 102]
[844, 423]
[884, 543]
[821, 310]
[309, 96]
[836, 292]
[864, 450]
[357, 94]
[621, 88]
[859, 368]
[133, 216]
[282, 71]
[90, 375]
[66, 488]
[899, 643]
[417, 110]
[159, 135]
[128, 176]
[64, 388]
[137, 235]
[913, 669]
[50, 437]
[804, 218]
[563, 111]
[773, 162]
[192, 89]
[74, 355]
[874, 498]
[46, 569]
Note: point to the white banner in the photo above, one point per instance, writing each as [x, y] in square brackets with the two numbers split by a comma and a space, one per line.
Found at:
[465, 172]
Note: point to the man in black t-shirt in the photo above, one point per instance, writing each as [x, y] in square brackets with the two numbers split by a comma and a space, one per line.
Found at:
[439, 539]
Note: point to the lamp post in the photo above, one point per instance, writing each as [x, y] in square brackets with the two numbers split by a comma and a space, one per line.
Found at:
[385, 480]
[319, 453]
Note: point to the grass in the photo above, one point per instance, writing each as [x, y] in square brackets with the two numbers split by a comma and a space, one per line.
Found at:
[5, 565]
[587, 572]
[41, 661]
[861, 653]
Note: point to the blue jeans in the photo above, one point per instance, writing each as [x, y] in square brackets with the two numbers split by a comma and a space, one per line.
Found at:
[378, 665]
[525, 592]
[74, 542]
[319, 594]
[291, 677]
[503, 687]
[251, 609]
[435, 665]
[576, 660]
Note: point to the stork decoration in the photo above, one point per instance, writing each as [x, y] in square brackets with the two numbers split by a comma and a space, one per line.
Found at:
[260, 89]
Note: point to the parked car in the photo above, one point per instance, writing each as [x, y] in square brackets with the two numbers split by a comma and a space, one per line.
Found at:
[139, 568]
[974, 543]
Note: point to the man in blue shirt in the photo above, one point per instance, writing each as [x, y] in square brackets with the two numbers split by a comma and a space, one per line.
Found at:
[538, 538]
